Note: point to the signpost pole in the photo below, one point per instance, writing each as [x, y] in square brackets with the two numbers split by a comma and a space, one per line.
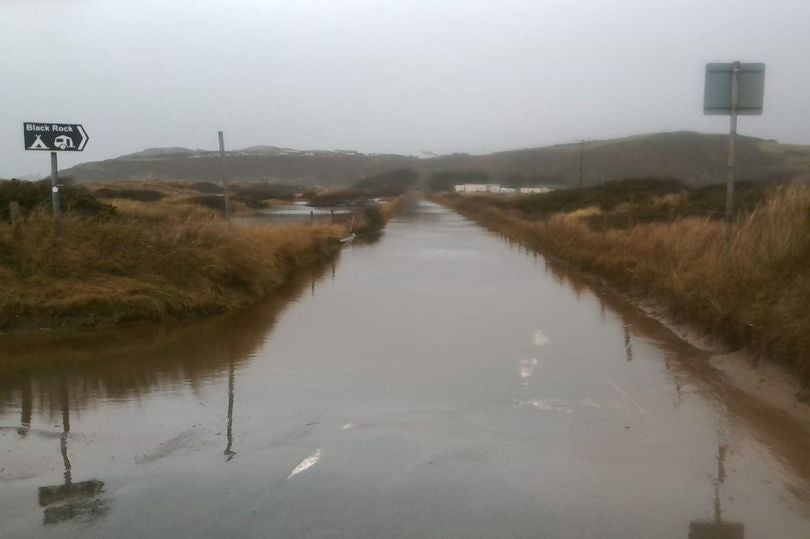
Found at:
[225, 191]
[730, 170]
[57, 211]
[581, 162]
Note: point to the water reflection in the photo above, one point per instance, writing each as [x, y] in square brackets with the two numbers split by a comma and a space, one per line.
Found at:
[229, 452]
[298, 212]
[628, 343]
[38, 372]
[784, 434]
[70, 500]
[716, 528]
[26, 406]
[55, 374]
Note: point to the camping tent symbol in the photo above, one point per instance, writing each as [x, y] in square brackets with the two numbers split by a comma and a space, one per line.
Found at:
[38, 144]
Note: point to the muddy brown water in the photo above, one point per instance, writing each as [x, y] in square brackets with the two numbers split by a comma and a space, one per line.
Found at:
[441, 382]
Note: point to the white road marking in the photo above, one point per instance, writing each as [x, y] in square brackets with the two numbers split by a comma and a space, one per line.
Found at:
[306, 464]
[619, 390]
[540, 338]
[347, 426]
[627, 398]
[589, 403]
[548, 405]
[527, 367]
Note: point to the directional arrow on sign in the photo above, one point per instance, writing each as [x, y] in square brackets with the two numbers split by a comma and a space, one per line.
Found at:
[85, 138]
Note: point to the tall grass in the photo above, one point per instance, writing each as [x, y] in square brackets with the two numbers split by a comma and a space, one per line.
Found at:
[146, 265]
[761, 298]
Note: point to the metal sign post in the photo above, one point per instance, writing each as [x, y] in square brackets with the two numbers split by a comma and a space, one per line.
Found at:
[225, 191]
[732, 154]
[54, 137]
[57, 208]
[733, 89]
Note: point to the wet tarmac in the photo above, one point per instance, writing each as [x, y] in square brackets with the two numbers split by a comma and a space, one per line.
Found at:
[441, 382]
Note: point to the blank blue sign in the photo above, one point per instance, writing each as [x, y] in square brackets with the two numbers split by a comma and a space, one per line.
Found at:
[717, 96]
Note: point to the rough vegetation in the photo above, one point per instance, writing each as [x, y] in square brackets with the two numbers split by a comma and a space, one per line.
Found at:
[143, 261]
[210, 195]
[392, 183]
[388, 184]
[759, 298]
[637, 200]
[32, 196]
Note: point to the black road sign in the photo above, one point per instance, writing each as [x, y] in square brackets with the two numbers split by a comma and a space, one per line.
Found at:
[53, 137]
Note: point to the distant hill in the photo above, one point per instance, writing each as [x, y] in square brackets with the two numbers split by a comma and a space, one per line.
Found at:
[694, 158]
[279, 165]
[256, 163]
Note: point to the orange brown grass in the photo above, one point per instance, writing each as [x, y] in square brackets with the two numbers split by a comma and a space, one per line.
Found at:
[148, 264]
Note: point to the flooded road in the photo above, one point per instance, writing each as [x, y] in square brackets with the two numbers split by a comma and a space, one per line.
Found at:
[297, 212]
[442, 382]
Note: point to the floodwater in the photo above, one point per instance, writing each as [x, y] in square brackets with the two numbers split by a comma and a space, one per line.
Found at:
[297, 212]
[441, 382]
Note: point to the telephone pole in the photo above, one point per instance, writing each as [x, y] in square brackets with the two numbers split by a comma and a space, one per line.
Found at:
[581, 162]
[225, 191]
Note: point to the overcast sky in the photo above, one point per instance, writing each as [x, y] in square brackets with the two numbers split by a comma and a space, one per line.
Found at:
[386, 75]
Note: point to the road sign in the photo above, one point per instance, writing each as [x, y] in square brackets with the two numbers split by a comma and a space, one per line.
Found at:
[54, 137]
[717, 98]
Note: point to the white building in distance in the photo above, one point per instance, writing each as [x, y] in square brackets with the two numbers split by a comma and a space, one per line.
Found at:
[534, 190]
[471, 188]
[483, 188]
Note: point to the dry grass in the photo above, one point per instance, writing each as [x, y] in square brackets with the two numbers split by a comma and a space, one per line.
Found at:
[149, 263]
[761, 299]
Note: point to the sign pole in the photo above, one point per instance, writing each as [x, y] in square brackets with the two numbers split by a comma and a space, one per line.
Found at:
[730, 170]
[224, 175]
[57, 211]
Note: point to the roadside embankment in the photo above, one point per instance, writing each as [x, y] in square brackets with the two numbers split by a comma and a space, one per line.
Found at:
[146, 264]
[760, 299]
[372, 218]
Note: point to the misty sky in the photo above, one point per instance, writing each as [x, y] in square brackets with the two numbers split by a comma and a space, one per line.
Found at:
[386, 75]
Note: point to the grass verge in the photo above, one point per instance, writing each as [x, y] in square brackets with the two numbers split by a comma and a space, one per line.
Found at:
[146, 265]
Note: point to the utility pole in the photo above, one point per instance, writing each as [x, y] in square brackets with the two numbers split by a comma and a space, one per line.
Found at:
[581, 162]
[225, 191]
[57, 209]
[732, 157]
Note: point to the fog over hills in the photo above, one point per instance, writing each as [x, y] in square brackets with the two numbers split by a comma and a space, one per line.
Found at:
[692, 157]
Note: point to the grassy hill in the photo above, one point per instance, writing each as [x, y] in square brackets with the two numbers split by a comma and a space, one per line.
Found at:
[694, 158]
[255, 163]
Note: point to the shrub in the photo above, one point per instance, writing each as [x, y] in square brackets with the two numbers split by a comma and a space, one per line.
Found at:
[37, 195]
